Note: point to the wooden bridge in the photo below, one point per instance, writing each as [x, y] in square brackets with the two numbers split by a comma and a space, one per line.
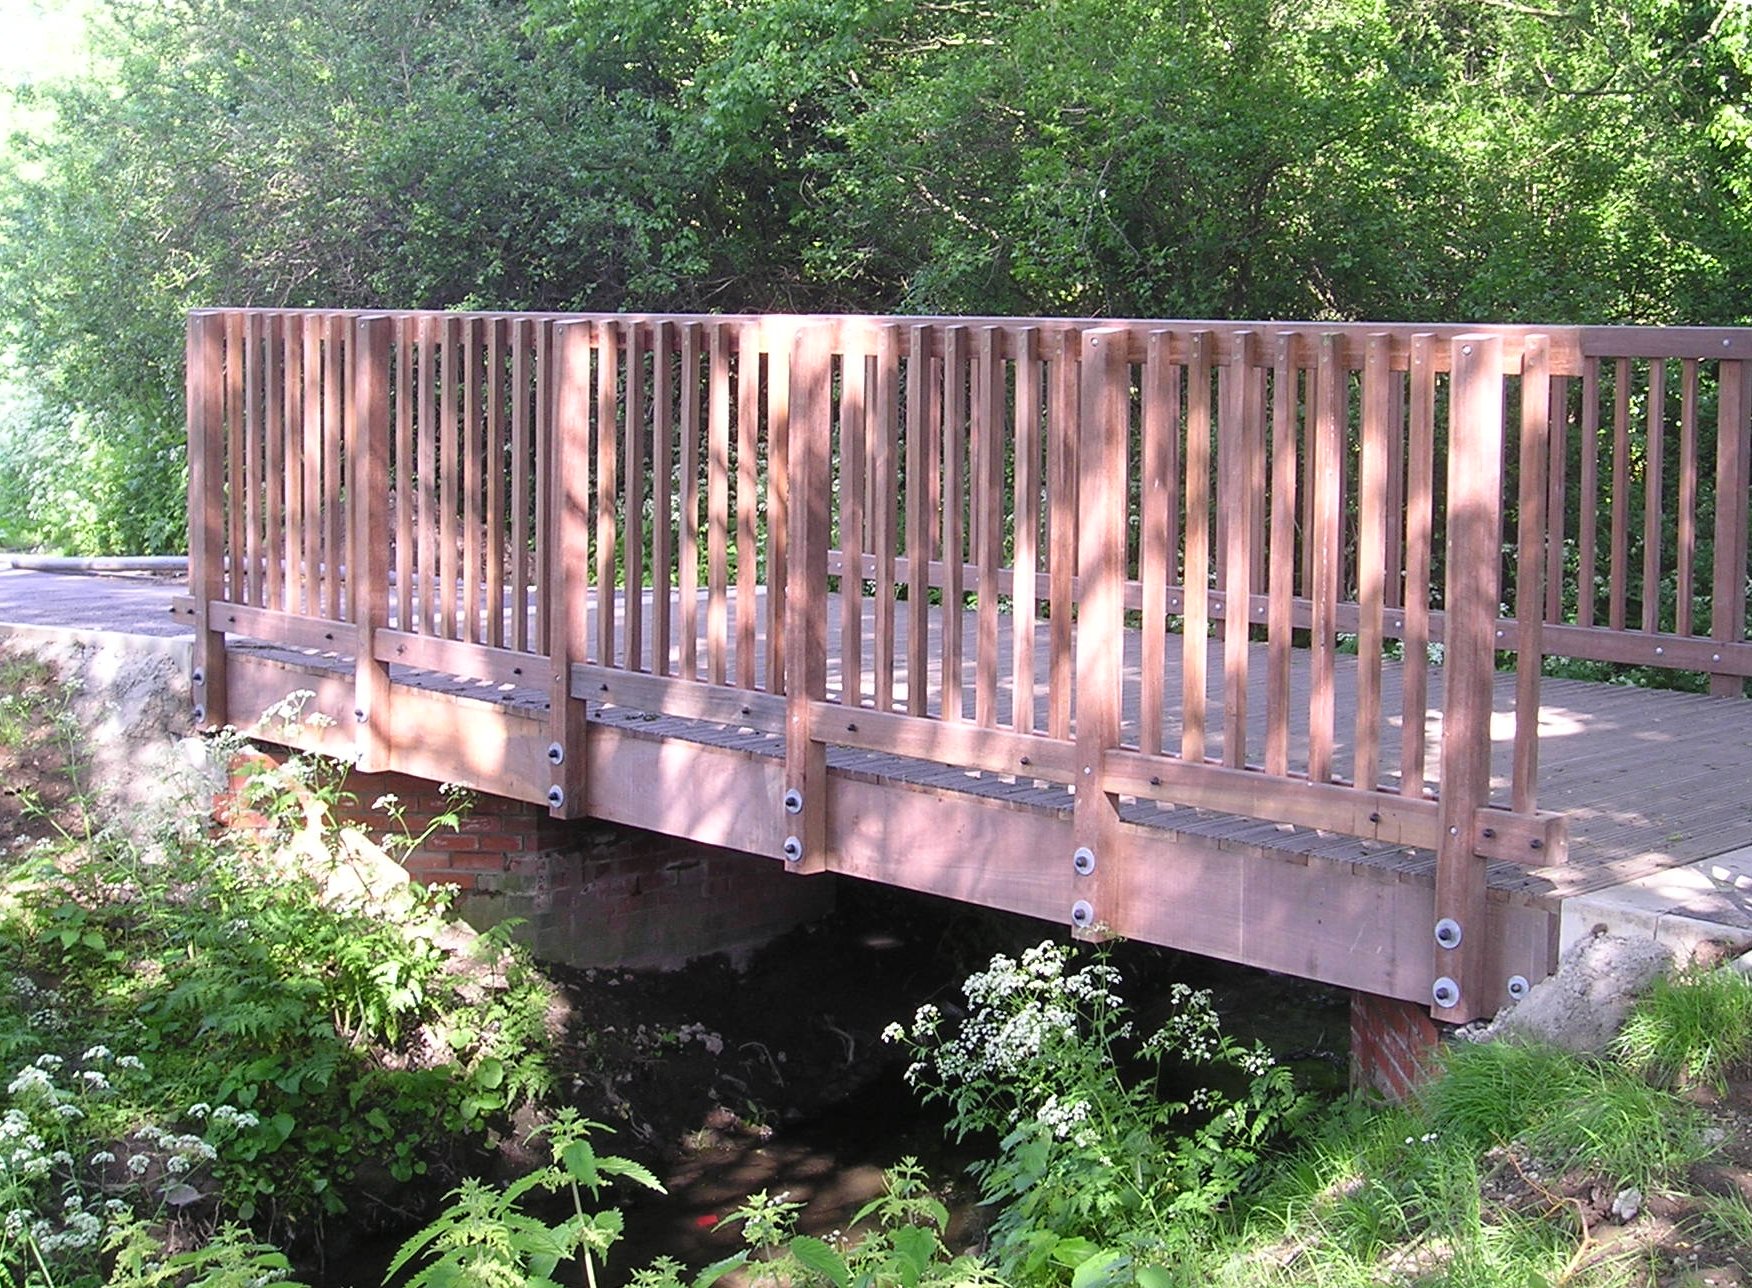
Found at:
[1222, 636]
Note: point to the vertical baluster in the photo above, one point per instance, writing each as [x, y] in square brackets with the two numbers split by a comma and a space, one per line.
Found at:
[1371, 559]
[474, 522]
[688, 573]
[921, 465]
[778, 494]
[1685, 552]
[1063, 410]
[274, 477]
[747, 497]
[1156, 494]
[495, 393]
[1419, 526]
[607, 485]
[1329, 421]
[1653, 508]
[1024, 599]
[1237, 464]
[1530, 538]
[1280, 611]
[662, 491]
[885, 450]
[718, 507]
[987, 507]
[1196, 562]
[955, 444]
[634, 501]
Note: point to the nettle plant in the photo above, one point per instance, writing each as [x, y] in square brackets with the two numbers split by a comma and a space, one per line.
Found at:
[1098, 1166]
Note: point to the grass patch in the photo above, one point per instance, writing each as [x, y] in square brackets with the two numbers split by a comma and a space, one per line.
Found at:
[1691, 1030]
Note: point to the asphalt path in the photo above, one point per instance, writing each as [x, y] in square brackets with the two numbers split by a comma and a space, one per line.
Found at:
[136, 603]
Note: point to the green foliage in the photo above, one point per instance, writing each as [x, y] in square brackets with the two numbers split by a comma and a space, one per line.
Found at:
[209, 1027]
[1692, 1029]
[895, 1239]
[485, 1239]
[1098, 1163]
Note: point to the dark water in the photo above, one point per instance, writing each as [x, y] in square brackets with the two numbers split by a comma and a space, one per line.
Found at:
[823, 1134]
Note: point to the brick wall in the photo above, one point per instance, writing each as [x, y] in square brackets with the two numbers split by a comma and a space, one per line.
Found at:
[587, 893]
[1391, 1044]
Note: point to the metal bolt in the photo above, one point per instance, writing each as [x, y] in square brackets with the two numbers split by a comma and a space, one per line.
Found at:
[793, 850]
[1536, 843]
[1518, 986]
[1448, 933]
[1490, 833]
[556, 754]
[793, 801]
[199, 676]
[556, 796]
[360, 715]
[1083, 860]
[1659, 650]
[1446, 992]
[1082, 914]
[200, 714]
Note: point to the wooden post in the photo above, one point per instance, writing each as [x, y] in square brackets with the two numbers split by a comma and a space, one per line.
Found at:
[805, 800]
[568, 554]
[1101, 535]
[1475, 469]
[206, 513]
[1734, 400]
[368, 425]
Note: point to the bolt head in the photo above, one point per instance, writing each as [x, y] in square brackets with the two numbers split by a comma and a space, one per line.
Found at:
[793, 849]
[793, 801]
[556, 753]
[1082, 914]
[1445, 992]
[1448, 933]
[556, 796]
[1083, 860]
[1518, 986]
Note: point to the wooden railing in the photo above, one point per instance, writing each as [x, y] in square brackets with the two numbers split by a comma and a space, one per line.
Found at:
[665, 512]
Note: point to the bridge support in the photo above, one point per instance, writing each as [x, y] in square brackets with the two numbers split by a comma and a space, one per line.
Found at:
[1392, 1045]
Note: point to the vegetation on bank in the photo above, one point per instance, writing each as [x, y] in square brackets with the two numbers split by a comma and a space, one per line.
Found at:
[210, 1054]
[1588, 161]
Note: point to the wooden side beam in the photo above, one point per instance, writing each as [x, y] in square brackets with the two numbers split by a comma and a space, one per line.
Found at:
[567, 574]
[1097, 861]
[367, 481]
[206, 514]
[804, 802]
[1475, 470]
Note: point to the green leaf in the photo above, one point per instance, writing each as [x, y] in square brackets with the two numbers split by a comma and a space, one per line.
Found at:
[1155, 1277]
[579, 1162]
[1100, 1270]
[614, 1165]
[489, 1074]
[817, 1256]
[717, 1270]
